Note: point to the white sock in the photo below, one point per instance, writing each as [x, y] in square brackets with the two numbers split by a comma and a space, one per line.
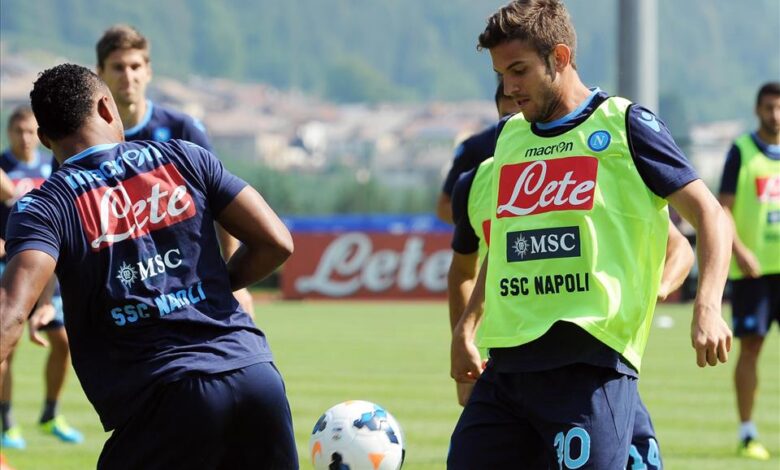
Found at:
[747, 430]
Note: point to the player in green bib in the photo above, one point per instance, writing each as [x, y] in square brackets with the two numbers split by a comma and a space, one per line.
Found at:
[577, 243]
[750, 192]
[471, 214]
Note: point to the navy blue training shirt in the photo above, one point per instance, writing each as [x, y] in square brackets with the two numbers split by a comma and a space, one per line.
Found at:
[25, 176]
[146, 293]
[162, 124]
[470, 153]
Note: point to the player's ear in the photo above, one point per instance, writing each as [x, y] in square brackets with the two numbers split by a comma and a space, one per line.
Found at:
[561, 56]
[105, 110]
[44, 140]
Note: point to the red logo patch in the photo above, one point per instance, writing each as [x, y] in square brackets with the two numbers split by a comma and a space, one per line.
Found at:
[135, 207]
[547, 185]
[768, 188]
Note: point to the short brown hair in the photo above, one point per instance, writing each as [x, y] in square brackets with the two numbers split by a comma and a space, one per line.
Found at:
[769, 88]
[542, 23]
[19, 113]
[119, 37]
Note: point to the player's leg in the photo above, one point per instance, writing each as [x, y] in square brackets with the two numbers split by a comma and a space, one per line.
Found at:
[585, 415]
[261, 435]
[644, 454]
[751, 304]
[57, 364]
[182, 425]
[11, 434]
[492, 431]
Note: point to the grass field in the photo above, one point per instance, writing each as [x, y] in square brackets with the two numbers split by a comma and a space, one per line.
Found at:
[396, 354]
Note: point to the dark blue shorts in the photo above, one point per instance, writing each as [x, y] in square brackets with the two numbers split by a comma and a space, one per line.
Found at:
[577, 416]
[755, 304]
[237, 419]
[644, 453]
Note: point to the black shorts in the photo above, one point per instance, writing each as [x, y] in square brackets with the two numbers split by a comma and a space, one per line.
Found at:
[755, 303]
[237, 419]
[577, 416]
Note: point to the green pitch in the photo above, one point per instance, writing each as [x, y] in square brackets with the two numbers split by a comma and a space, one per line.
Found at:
[396, 354]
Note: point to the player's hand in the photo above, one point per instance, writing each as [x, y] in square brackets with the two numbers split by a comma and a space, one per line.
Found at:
[748, 263]
[710, 335]
[244, 299]
[663, 292]
[466, 363]
[464, 389]
[2, 248]
[41, 316]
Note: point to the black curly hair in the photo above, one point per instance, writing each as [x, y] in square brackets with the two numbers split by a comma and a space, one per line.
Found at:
[62, 98]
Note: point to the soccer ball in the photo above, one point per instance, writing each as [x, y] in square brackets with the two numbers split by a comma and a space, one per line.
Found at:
[357, 435]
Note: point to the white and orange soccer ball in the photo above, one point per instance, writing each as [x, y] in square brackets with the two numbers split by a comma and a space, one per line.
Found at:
[357, 435]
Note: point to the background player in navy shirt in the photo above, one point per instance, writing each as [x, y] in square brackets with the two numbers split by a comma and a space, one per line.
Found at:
[755, 298]
[473, 151]
[123, 62]
[162, 349]
[28, 168]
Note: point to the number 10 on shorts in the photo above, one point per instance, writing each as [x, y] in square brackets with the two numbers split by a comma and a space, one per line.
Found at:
[563, 444]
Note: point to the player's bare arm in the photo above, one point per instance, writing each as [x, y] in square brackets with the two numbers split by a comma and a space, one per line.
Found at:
[43, 314]
[460, 283]
[266, 242]
[444, 207]
[24, 279]
[677, 264]
[466, 364]
[746, 259]
[710, 335]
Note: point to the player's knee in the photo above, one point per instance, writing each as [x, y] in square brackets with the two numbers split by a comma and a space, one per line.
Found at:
[750, 346]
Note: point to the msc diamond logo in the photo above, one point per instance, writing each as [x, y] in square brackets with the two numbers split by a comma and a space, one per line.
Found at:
[127, 274]
[520, 246]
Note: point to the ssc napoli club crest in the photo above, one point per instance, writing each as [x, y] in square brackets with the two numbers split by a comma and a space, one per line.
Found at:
[599, 140]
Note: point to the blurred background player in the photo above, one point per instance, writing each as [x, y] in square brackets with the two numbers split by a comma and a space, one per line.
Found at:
[6, 193]
[28, 168]
[575, 261]
[168, 351]
[473, 151]
[124, 64]
[750, 194]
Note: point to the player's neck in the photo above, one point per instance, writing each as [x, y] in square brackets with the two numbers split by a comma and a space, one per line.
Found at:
[767, 137]
[77, 143]
[132, 114]
[573, 94]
